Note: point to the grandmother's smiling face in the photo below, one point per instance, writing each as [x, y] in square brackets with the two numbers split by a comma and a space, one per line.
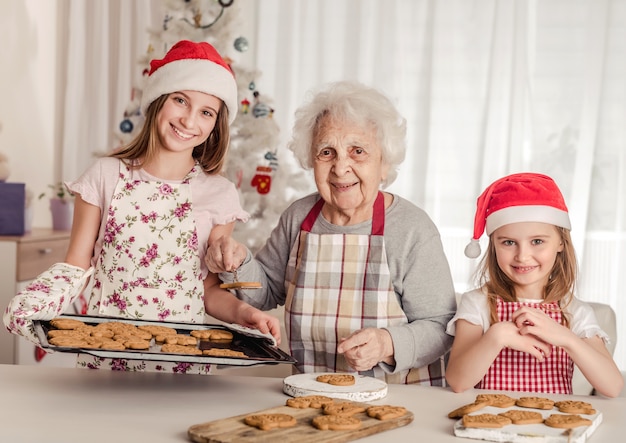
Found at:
[348, 167]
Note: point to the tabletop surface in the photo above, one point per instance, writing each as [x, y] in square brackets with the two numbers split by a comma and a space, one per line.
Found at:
[77, 405]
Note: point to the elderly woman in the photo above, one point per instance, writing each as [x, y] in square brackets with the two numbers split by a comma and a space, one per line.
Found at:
[362, 273]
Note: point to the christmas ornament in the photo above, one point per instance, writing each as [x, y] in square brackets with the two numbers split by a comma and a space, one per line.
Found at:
[252, 86]
[241, 44]
[245, 106]
[197, 17]
[262, 180]
[273, 159]
[260, 109]
[126, 126]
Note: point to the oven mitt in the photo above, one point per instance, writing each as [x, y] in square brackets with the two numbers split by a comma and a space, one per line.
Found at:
[46, 297]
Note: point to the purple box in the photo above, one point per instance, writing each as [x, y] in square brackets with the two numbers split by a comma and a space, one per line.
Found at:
[12, 205]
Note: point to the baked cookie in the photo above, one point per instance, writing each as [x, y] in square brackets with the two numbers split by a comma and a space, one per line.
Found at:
[309, 401]
[218, 352]
[219, 335]
[101, 333]
[112, 345]
[165, 338]
[485, 421]
[535, 402]
[566, 421]
[66, 323]
[180, 349]
[336, 379]
[137, 344]
[385, 412]
[65, 333]
[342, 408]
[520, 417]
[466, 409]
[336, 422]
[67, 341]
[266, 422]
[158, 330]
[177, 339]
[575, 407]
[496, 400]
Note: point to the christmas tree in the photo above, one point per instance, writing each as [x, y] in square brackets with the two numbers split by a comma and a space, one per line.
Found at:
[265, 175]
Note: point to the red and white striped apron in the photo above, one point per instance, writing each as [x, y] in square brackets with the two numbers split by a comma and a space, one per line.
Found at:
[519, 371]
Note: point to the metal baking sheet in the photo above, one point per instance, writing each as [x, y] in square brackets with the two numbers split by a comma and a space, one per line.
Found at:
[260, 351]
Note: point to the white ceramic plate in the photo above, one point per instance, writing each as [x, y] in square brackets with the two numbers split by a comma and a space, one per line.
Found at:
[364, 388]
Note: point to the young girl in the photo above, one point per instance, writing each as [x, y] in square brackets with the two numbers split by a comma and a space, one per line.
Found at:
[523, 330]
[144, 215]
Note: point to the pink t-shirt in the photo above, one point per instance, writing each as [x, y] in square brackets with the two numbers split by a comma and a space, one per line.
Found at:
[215, 200]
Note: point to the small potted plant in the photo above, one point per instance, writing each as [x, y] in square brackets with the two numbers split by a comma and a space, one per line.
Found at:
[61, 206]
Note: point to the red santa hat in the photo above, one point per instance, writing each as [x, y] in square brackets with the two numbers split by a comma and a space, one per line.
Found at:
[523, 197]
[193, 66]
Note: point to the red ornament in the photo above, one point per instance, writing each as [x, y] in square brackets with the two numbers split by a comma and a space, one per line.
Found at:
[262, 180]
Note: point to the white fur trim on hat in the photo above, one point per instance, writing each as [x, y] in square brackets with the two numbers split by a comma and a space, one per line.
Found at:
[518, 214]
[192, 75]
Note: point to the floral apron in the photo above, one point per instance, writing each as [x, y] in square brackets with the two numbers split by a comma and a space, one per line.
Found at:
[337, 284]
[519, 371]
[149, 267]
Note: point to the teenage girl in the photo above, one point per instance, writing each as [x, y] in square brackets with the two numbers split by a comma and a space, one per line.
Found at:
[145, 215]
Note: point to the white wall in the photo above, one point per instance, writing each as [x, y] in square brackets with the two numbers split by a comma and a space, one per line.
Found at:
[27, 79]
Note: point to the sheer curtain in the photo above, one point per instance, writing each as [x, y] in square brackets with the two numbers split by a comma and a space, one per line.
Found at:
[489, 87]
[99, 48]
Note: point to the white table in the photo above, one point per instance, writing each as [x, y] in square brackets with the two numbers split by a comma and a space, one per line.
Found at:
[67, 405]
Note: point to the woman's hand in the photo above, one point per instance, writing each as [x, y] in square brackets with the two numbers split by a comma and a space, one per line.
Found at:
[225, 255]
[365, 348]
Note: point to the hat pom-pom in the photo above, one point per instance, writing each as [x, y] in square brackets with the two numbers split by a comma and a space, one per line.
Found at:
[472, 250]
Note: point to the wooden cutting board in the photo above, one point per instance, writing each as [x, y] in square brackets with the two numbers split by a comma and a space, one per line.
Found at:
[233, 429]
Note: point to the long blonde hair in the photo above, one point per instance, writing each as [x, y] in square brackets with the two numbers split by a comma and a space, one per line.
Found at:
[210, 155]
[560, 287]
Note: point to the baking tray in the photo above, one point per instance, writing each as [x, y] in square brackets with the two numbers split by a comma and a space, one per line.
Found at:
[260, 350]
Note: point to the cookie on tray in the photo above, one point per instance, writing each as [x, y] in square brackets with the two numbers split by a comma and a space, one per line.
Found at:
[218, 335]
[521, 417]
[566, 421]
[265, 422]
[309, 401]
[219, 352]
[575, 407]
[485, 421]
[342, 408]
[385, 412]
[336, 422]
[66, 323]
[497, 400]
[466, 409]
[336, 379]
[180, 349]
[535, 403]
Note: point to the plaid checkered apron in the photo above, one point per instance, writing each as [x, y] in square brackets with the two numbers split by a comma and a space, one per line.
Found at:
[337, 284]
[519, 371]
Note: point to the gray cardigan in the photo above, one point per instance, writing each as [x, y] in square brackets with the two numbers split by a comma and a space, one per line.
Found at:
[419, 271]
